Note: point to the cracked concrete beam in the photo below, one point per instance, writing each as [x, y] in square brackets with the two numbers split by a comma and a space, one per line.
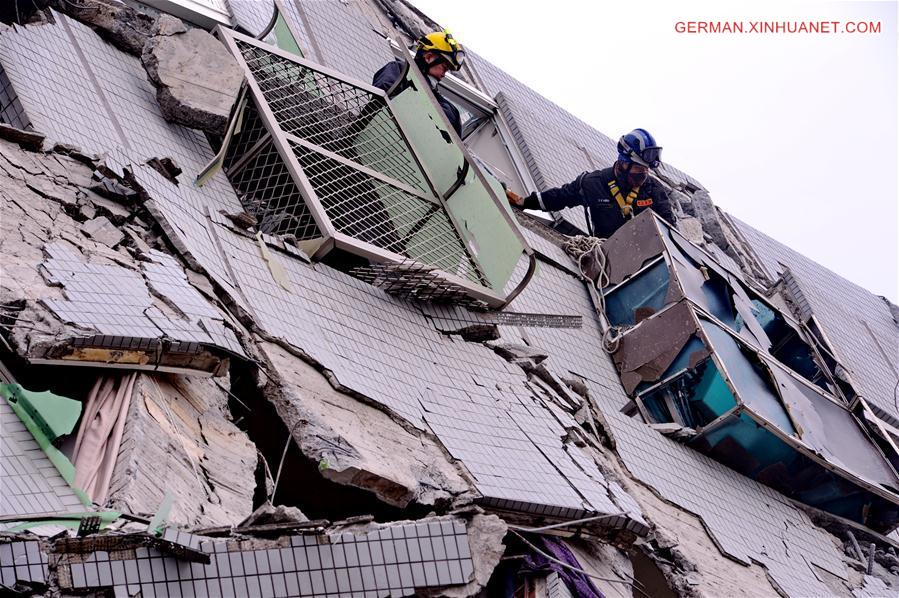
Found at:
[357, 444]
[29, 140]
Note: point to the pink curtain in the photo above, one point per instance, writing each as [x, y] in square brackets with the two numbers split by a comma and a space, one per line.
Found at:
[100, 434]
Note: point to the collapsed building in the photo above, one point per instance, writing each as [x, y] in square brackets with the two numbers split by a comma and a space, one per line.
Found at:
[270, 331]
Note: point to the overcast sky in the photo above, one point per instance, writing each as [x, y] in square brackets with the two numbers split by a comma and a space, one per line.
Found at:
[794, 134]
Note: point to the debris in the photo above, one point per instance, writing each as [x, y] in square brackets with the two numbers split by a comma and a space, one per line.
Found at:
[196, 79]
[103, 231]
[166, 167]
[126, 28]
[88, 526]
[178, 437]
[676, 431]
[858, 549]
[357, 444]
[268, 513]
[478, 333]
[242, 220]
[26, 139]
[116, 212]
[485, 537]
[517, 354]
[108, 184]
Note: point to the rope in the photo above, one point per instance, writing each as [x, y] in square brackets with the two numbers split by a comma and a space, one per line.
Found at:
[579, 247]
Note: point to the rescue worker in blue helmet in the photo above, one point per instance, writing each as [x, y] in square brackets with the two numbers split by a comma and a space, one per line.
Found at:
[435, 54]
[612, 195]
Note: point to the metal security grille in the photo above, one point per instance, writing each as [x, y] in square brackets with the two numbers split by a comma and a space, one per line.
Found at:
[318, 156]
[386, 216]
[264, 184]
[333, 114]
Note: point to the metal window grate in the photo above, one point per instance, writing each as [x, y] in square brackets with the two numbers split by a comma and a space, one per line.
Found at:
[323, 157]
[337, 116]
[251, 131]
[263, 182]
[386, 216]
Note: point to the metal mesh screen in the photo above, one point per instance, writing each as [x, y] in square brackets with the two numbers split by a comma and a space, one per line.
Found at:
[333, 114]
[388, 217]
[263, 183]
[252, 130]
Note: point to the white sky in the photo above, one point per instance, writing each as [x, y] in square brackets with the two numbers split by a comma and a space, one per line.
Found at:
[794, 134]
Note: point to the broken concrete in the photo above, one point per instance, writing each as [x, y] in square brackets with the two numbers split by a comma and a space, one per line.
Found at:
[100, 229]
[126, 28]
[26, 139]
[196, 78]
[485, 538]
[268, 514]
[356, 444]
[179, 439]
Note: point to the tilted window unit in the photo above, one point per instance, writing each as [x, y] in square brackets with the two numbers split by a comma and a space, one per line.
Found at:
[339, 164]
[485, 131]
[744, 383]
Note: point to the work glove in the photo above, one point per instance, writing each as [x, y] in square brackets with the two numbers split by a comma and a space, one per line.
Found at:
[514, 199]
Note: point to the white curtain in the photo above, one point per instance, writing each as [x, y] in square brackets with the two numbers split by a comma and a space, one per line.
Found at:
[100, 434]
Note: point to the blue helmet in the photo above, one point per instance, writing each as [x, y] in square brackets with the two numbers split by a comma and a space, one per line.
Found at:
[639, 147]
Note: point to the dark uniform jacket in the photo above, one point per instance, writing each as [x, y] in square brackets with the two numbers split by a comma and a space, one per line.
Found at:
[591, 189]
[390, 73]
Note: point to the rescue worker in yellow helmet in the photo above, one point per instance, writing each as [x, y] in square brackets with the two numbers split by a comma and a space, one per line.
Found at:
[435, 54]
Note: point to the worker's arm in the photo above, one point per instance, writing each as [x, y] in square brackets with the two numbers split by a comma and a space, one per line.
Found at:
[453, 116]
[661, 204]
[387, 75]
[568, 195]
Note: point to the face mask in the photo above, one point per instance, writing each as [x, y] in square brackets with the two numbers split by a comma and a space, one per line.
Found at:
[623, 172]
[635, 180]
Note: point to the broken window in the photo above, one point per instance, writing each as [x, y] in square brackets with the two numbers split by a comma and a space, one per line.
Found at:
[704, 353]
[340, 165]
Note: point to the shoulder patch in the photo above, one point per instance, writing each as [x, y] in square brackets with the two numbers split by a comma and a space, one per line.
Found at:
[644, 202]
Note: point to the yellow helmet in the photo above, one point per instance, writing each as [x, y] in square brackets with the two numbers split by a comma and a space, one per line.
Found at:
[443, 43]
